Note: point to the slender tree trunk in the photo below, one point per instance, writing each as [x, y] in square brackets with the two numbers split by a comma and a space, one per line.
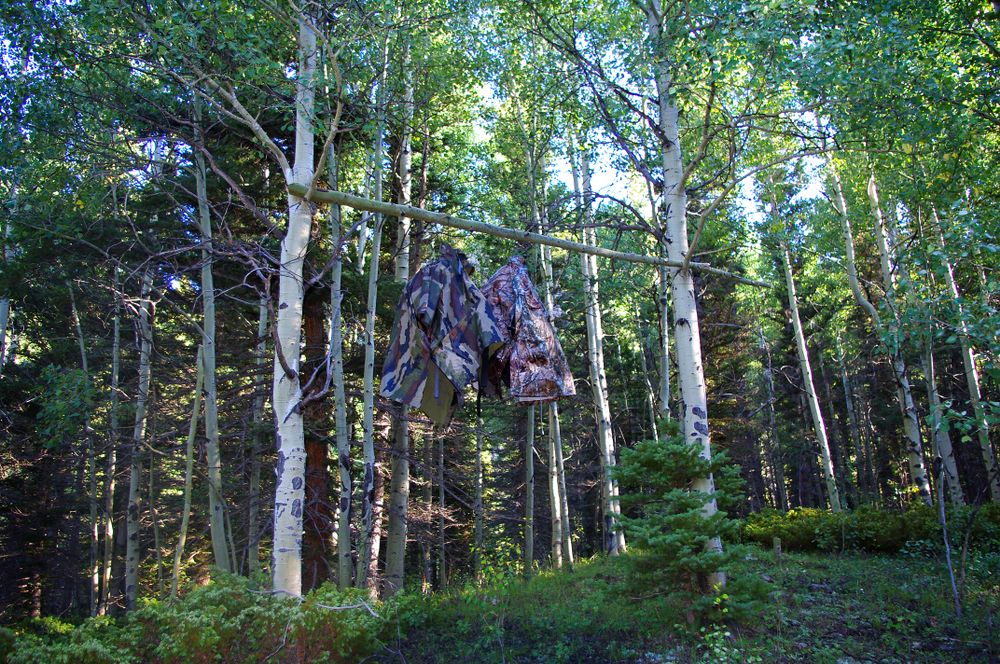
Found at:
[318, 517]
[838, 446]
[138, 435]
[650, 393]
[426, 547]
[911, 424]
[774, 440]
[819, 426]
[188, 472]
[154, 517]
[216, 502]
[287, 390]
[344, 562]
[399, 490]
[477, 507]
[971, 370]
[5, 298]
[442, 542]
[257, 416]
[567, 532]
[95, 528]
[366, 533]
[381, 93]
[111, 467]
[529, 494]
[693, 409]
[942, 441]
[555, 500]
[615, 537]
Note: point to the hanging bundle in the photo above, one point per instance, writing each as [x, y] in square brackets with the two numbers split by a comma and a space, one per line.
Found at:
[443, 328]
[531, 360]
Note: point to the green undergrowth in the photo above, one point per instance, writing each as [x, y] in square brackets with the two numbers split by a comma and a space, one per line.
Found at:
[818, 607]
[876, 531]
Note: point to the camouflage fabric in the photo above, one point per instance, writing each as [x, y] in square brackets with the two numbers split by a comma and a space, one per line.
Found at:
[442, 330]
[531, 360]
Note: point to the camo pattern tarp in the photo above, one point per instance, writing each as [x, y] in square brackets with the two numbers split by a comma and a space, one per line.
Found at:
[443, 328]
[531, 360]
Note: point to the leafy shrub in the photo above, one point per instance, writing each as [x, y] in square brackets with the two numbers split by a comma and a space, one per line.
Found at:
[874, 531]
[224, 621]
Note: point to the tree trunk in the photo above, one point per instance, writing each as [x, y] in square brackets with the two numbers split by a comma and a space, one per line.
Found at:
[819, 426]
[154, 518]
[377, 149]
[317, 515]
[477, 507]
[399, 491]
[693, 409]
[216, 502]
[188, 471]
[971, 370]
[94, 579]
[344, 562]
[555, 499]
[615, 537]
[111, 467]
[132, 552]
[529, 494]
[286, 391]
[911, 425]
[442, 541]
[774, 441]
[942, 441]
[257, 417]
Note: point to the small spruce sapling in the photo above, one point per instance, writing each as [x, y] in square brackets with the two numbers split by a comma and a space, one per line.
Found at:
[662, 515]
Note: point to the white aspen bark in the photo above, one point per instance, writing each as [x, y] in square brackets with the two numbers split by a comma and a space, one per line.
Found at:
[399, 484]
[663, 300]
[819, 426]
[289, 495]
[693, 407]
[615, 542]
[555, 500]
[942, 441]
[154, 518]
[94, 579]
[366, 532]
[111, 466]
[529, 494]
[188, 471]
[138, 435]
[971, 370]
[381, 93]
[567, 532]
[427, 546]
[216, 502]
[904, 395]
[344, 562]
[257, 417]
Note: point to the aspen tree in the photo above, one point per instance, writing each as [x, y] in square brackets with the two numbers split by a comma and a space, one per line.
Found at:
[344, 562]
[529, 494]
[614, 536]
[216, 502]
[287, 388]
[819, 426]
[693, 408]
[969, 364]
[138, 438]
[188, 470]
[257, 419]
[111, 463]
[904, 395]
[399, 488]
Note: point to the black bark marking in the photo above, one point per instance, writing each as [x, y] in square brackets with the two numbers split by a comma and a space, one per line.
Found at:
[280, 470]
[698, 411]
[297, 508]
[345, 460]
[682, 321]
[701, 428]
[296, 483]
[283, 305]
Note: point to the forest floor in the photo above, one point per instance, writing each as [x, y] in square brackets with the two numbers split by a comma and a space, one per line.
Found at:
[843, 609]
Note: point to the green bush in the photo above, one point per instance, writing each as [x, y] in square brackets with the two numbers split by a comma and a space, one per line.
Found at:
[224, 621]
[874, 531]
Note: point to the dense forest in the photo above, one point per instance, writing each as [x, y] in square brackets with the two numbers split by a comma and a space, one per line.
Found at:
[763, 237]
